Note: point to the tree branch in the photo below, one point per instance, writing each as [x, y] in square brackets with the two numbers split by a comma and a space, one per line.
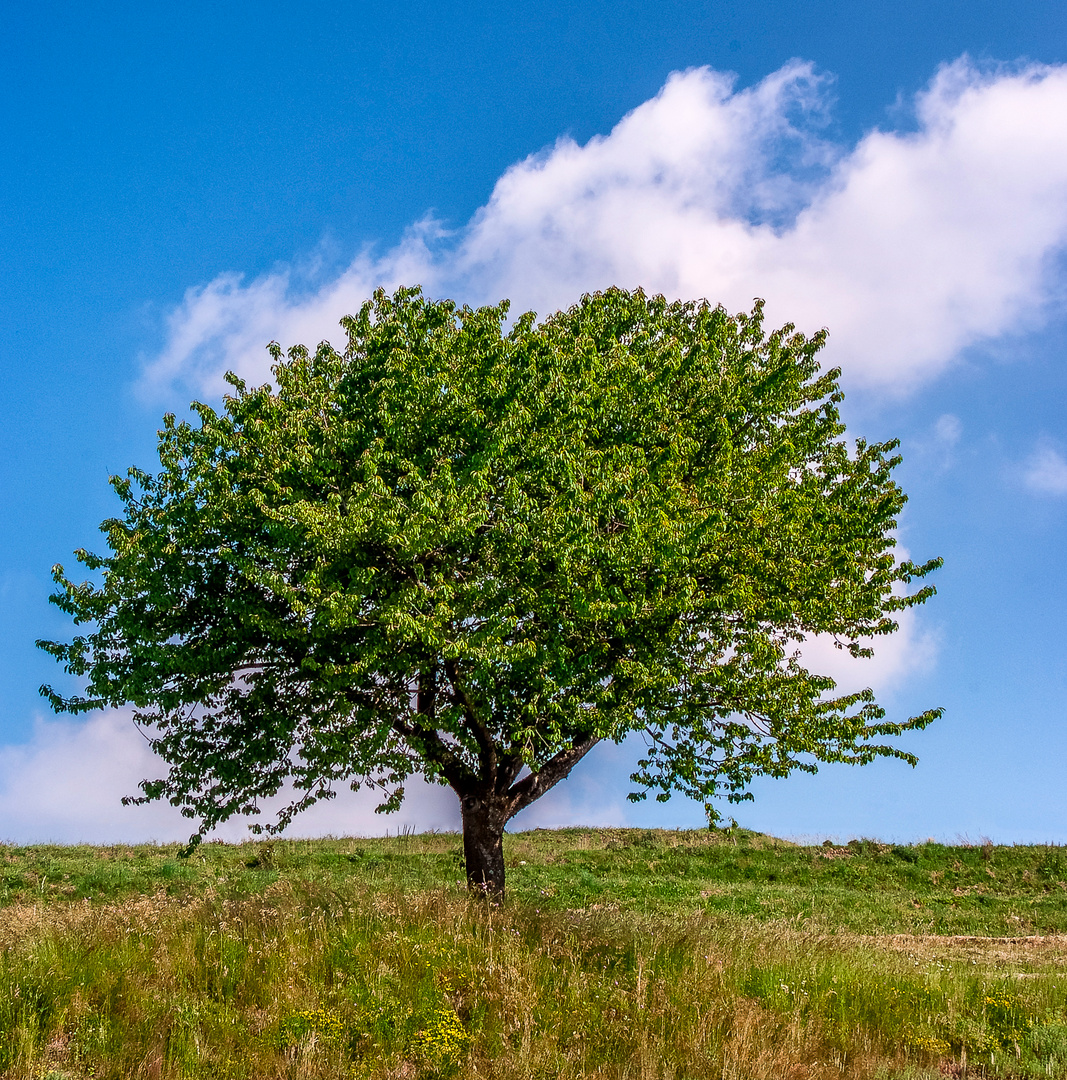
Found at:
[428, 743]
[480, 731]
[532, 787]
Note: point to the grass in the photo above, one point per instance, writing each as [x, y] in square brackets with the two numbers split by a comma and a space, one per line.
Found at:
[619, 953]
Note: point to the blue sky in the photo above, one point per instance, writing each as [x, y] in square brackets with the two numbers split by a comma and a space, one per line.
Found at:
[179, 185]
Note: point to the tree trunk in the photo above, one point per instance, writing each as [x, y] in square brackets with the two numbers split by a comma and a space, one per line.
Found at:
[483, 844]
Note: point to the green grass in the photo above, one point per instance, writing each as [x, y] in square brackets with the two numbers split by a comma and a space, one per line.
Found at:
[864, 887]
[619, 953]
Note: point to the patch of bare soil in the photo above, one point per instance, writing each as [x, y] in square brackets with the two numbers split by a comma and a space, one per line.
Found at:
[1036, 951]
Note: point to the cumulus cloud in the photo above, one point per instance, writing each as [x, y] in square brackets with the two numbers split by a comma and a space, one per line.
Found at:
[1046, 472]
[910, 245]
[226, 324]
[912, 649]
[65, 785]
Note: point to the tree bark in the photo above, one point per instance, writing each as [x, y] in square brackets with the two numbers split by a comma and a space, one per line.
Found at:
[486, 812]
[483, 843]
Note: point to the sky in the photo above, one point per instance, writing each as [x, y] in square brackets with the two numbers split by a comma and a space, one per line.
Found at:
[180, 184]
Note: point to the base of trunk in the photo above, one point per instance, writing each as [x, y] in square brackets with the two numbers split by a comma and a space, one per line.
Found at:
[483, 846]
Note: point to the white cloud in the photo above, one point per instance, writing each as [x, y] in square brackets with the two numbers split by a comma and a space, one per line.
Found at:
[910, 246]
[66, 782]
[912, 649]
[936, 447]
[947, 430]
[1046, 472]
[226, 324]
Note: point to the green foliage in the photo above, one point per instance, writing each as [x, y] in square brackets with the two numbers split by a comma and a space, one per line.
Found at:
[1051, 867]
[1048, 1043]
[463, 550]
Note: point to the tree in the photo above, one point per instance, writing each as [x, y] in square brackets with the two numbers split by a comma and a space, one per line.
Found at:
[473, 553]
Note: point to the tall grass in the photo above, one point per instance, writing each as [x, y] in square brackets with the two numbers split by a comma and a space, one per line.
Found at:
[312, 979]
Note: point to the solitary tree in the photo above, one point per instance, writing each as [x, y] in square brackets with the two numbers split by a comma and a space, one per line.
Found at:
[474, 553]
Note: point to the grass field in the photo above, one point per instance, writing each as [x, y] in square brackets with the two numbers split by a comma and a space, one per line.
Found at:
[619, 953]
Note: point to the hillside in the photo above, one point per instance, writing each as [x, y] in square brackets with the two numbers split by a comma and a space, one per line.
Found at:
[618, 953]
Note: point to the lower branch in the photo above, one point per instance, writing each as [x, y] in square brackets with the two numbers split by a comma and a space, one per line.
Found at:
[532, 787]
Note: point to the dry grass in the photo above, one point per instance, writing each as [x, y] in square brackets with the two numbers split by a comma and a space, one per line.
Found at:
[305, 982]
[633, 955]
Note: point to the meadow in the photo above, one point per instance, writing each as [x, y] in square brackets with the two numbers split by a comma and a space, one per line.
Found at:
[618, 953]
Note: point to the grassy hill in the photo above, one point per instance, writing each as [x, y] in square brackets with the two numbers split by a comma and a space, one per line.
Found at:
[619, 953]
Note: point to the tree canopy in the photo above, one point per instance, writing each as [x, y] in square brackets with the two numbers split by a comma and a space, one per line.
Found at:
[474, 551]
